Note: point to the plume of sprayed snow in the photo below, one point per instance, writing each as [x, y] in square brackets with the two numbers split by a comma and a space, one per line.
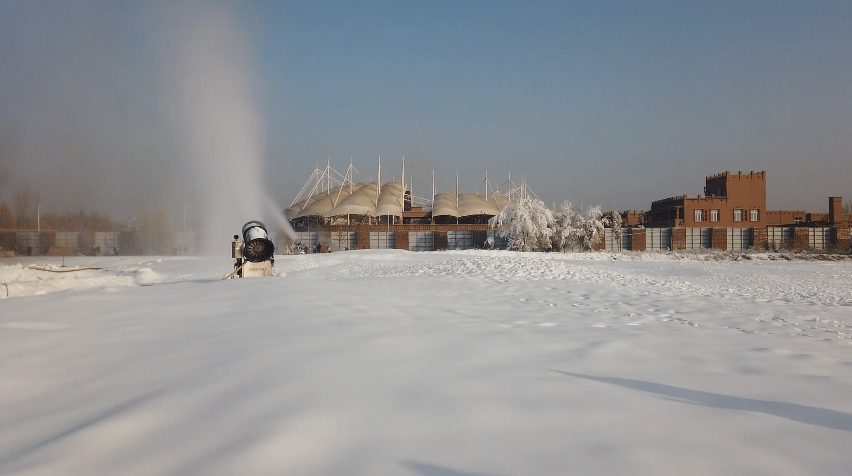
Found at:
[210, 93]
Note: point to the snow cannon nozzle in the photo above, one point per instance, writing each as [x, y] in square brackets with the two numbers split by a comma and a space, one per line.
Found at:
[257, 246]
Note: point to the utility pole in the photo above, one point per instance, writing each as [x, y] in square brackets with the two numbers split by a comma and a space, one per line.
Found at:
[183, 249]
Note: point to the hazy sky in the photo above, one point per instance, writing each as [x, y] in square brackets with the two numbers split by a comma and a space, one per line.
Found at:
[610, 103]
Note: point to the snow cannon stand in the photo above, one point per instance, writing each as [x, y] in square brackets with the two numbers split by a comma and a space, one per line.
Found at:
[253, 255]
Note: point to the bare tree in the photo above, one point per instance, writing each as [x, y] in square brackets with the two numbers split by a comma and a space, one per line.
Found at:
[847, 206]
[26, 205]
[342, 239]
[7, 220]
[157, 227]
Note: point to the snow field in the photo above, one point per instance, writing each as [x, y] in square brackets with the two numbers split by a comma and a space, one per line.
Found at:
[461, 363]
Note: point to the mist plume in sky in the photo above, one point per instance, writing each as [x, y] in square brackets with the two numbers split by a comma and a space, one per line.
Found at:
[211, 96]
[120, 109]
[118, 106]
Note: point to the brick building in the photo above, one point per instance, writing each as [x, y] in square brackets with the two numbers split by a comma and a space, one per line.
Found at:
[786, 217]
[734, 201]
[836, 217]
[632, 218]
[730, 200]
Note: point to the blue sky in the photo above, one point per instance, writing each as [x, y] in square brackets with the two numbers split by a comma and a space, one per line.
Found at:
[592, 103]
[610, 103]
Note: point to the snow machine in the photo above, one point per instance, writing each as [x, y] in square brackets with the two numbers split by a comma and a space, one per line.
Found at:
[253, 255]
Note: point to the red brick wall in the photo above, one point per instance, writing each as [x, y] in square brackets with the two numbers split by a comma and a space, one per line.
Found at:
[817, 217]
[678, 238]
[362, 240]
[401, 240]
[801, 238]
[843, 240]
[720, 239]
[785, 217]
[761, 238]
[637, 240]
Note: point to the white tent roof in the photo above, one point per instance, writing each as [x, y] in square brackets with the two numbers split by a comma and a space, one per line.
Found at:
[361, 202]
[445, 204]
[366, 199]
[391, 200]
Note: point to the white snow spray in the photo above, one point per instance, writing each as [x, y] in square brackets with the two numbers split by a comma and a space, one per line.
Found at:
[212, 103]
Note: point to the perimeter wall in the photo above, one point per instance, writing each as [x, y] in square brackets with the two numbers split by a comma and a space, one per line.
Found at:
[423, 238]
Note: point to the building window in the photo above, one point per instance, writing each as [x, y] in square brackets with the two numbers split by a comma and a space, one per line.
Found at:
[754, 215]
[714, 215]
[738, 215]
[699, 215]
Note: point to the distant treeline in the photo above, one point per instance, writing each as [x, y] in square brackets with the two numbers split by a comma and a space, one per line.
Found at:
[77, 221]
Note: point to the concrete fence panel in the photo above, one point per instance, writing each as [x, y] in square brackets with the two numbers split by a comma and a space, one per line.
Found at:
[106, 243]
[779, 237]
[382, 240]
[699, 238]
[479, 238]
[821, 238]
[611, 242]
[421, 241]
[440, 240]
[500, 242]
[341, 240]
[309, 239]
[66, 241]
[658, 239]
[29, 243]
[459, 239]
[626, 238]
[740, 238]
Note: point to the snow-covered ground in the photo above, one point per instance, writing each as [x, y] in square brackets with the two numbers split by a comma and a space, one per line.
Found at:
[448, 363]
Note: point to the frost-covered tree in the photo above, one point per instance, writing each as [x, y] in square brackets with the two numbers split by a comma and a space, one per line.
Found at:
[573, 230]
[531, 226]
[592, 228]
[566, 227]
[613, 220]
[526, 223]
